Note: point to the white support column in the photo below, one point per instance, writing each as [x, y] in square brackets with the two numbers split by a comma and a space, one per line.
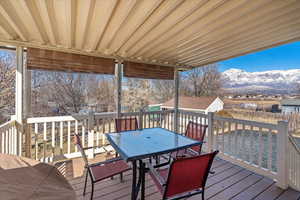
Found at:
[176, 100]
[282, 158]
[210, 134]
[27, 92]
[118, 95]
[19, 85]
[91, 132]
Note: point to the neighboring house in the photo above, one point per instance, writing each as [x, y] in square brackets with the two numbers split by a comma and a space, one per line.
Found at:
[290, 106]
[196, 104]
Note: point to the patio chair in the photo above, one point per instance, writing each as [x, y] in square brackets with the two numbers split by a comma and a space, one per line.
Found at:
[101, 170]
[186, 176]
[195, 131]
[126, 124]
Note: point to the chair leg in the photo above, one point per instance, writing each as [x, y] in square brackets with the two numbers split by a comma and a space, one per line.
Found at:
[86, 176]
[203, 194]
[92, 194]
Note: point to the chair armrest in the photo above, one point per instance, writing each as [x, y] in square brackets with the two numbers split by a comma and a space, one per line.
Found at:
[105, 162]
[159, 178]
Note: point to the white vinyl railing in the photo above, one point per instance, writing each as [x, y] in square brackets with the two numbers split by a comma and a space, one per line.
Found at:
[51, 137]
[264, 148]
[293, 164]
[11, 138]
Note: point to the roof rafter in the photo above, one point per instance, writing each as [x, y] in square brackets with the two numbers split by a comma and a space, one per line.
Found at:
[88, 22]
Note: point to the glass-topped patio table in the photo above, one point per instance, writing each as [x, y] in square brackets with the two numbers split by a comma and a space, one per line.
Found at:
[134, 146]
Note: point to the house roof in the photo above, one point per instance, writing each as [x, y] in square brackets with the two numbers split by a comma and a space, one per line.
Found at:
[290, 102]
[164, 32]
[200, 103]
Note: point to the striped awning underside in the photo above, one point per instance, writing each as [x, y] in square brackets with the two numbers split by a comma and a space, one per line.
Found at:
[184, 33]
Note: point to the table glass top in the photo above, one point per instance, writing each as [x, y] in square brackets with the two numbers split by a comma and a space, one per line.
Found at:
[143, 143]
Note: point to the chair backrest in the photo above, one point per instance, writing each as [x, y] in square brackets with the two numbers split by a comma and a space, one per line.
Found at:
[77, 142]
[126, 124]
[188, 174]
[197, 132]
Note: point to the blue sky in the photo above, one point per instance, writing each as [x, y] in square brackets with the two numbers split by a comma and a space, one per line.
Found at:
[277, 58]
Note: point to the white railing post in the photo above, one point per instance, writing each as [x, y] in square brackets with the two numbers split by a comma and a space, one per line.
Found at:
[176, 99]
[282, 158]
[210, 133]
[141, 119]
[91, 132]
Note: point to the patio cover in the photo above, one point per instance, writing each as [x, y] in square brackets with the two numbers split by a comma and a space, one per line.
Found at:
[182, 33]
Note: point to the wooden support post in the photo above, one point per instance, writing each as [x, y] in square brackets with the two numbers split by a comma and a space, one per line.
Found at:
[210, 131]
[118, 78]
[176, 100]
[282, 158]
[91, 132]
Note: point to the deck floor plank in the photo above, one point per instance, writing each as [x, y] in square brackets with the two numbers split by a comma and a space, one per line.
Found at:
[228, 182]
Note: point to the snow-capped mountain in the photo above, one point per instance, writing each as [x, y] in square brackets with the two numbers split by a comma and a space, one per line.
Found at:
[274, 81]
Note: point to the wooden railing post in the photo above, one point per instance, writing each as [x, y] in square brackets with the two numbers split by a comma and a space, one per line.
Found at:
[91, 123]
[282, 158]
[210, 133]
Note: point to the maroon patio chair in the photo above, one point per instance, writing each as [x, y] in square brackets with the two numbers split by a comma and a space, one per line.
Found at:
[195, 131]
[101, 170]
[186, 176]
[126, 124]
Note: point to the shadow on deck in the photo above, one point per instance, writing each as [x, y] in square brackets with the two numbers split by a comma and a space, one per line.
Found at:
[229, 182]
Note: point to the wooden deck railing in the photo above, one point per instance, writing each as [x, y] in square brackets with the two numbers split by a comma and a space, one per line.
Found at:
[264, 148]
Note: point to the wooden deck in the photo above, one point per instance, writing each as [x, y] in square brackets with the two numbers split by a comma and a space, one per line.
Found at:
[229, 182]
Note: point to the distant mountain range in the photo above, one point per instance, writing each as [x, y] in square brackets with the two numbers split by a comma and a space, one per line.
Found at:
[266, 82]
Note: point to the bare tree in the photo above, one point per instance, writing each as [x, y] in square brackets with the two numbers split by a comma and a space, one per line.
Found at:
[7, 83]
[162, 90]
[136, 94]
[202, 81]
